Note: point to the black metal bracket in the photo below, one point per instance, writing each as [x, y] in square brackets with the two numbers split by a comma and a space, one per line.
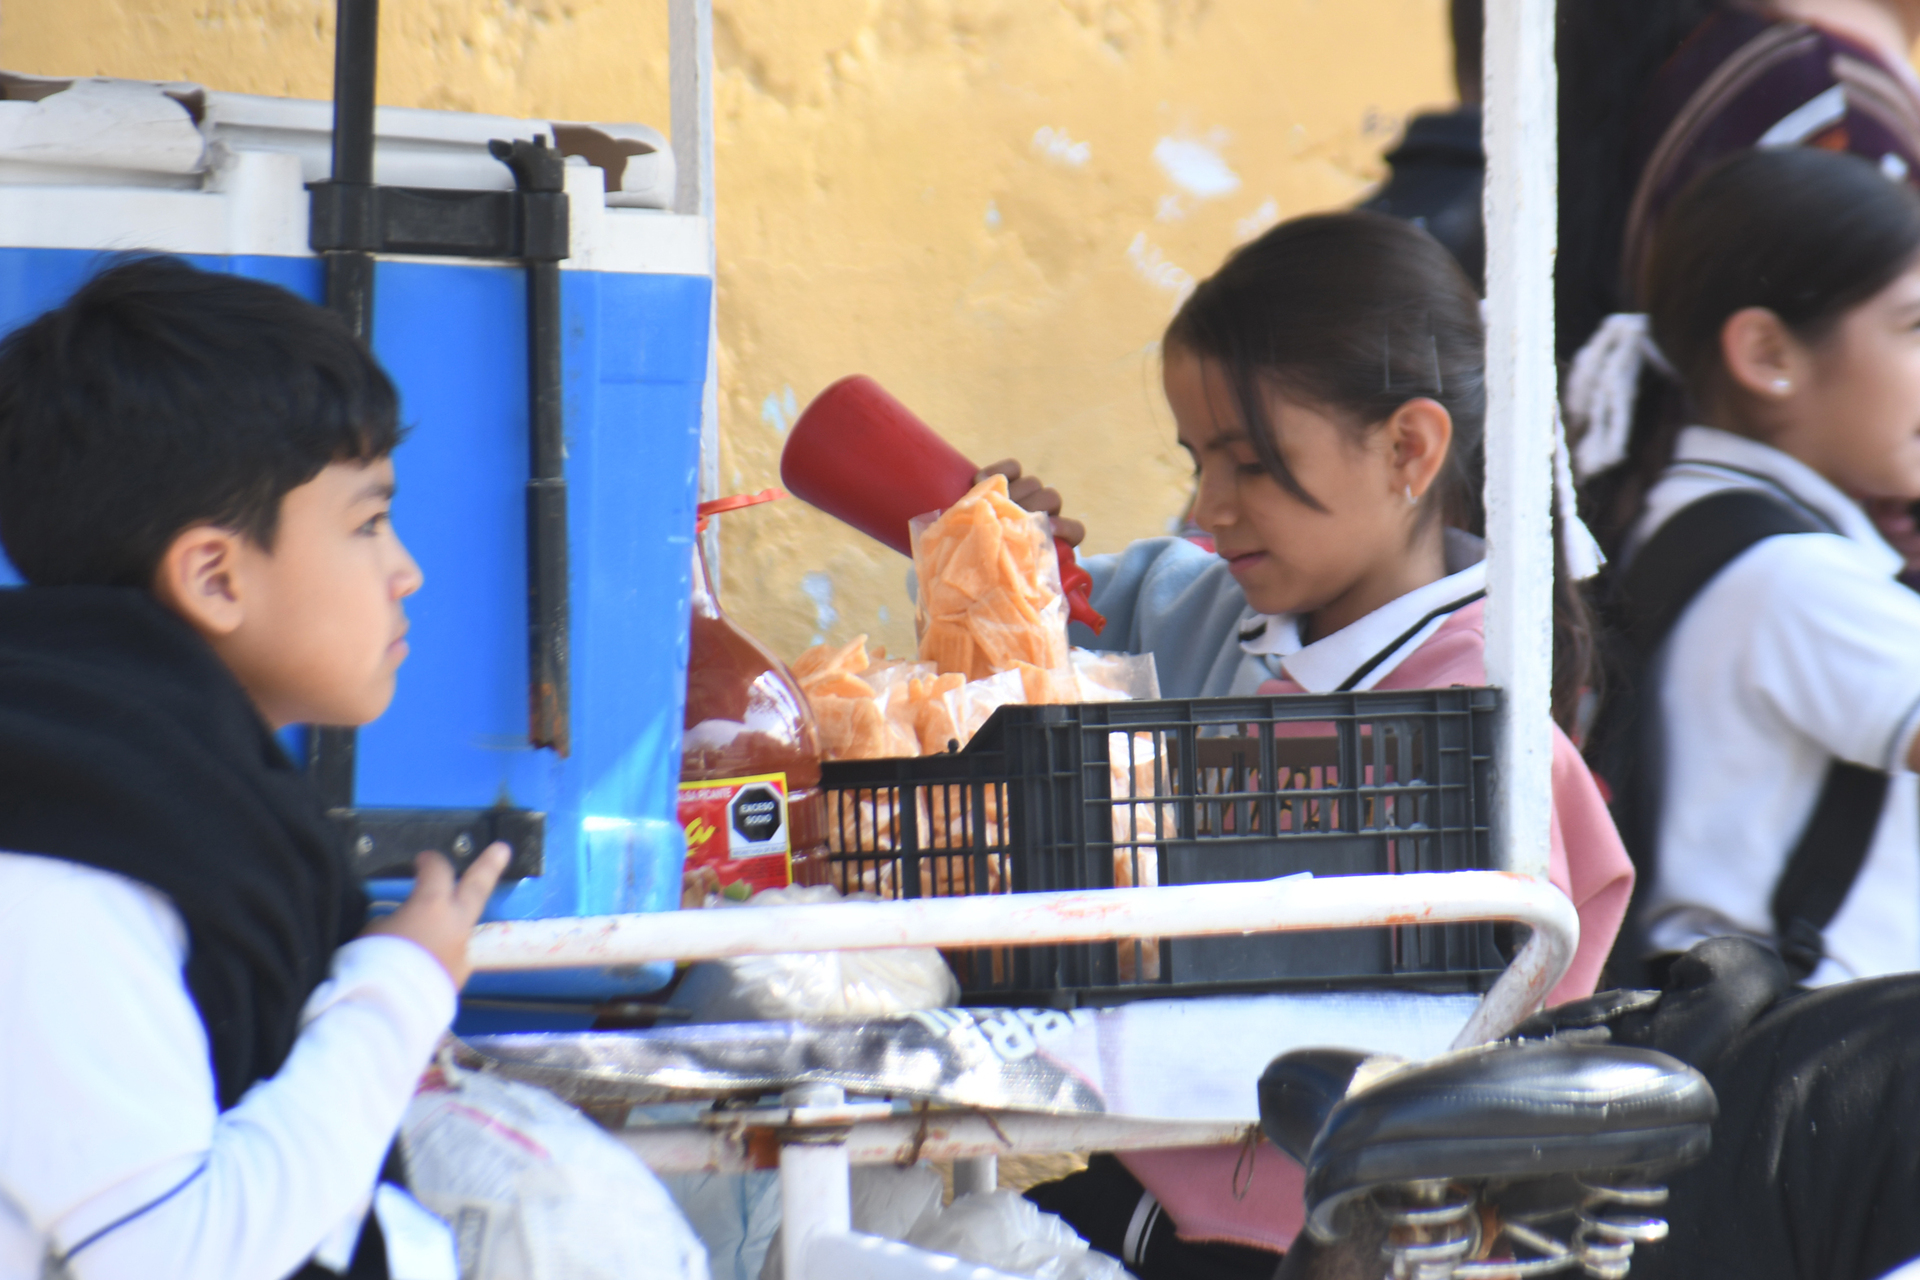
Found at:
[350, 220]
[530, 225]
[383, 842]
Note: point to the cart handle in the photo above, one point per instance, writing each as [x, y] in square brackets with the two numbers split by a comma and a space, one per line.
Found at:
[1026, 919]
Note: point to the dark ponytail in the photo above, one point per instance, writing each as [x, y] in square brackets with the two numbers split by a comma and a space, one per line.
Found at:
[1358, 313]
[1609, 52]
[1807, 234]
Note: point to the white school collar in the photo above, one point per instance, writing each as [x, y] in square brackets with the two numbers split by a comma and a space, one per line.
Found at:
[1327, 663]
[1713, 453]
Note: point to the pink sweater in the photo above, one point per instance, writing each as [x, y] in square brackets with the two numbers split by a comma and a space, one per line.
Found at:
[1588, 864]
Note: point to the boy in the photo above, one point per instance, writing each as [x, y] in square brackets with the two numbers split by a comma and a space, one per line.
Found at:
[204, 1049]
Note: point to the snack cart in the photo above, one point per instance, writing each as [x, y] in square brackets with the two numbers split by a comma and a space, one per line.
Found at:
[557, 723]
[816, 1132]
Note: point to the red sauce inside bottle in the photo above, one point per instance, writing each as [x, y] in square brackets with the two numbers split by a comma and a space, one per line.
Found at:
[746, 717]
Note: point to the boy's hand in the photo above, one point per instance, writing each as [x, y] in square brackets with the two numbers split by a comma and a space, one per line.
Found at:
[1029, 492]
[440, 914]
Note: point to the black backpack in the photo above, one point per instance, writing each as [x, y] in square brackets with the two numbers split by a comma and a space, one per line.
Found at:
[1639, 608]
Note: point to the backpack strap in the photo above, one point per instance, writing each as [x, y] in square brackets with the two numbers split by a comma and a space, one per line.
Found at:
[1665, 575]
[1825, 863]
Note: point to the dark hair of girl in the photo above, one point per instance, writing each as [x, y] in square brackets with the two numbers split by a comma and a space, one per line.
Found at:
[1356, 314]
[1609, 52]
[1807, 234]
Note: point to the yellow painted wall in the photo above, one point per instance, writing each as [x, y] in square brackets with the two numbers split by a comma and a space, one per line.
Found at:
[961, 198]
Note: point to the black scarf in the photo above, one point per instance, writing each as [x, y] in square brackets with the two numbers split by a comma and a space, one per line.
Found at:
[125, 744]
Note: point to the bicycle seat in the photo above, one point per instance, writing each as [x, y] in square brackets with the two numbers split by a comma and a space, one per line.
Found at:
[1508, 1111]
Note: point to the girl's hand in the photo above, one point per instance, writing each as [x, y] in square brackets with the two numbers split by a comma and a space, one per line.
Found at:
[1029, 492]
[440, 913]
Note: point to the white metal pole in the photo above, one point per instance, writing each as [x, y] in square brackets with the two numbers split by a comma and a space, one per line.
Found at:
[1521, 203]
[1090, 915]
[690, 77]
[976, 1173]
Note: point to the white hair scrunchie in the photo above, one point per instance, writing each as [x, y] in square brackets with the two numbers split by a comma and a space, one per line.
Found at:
[1577, 543]
[1602, 388]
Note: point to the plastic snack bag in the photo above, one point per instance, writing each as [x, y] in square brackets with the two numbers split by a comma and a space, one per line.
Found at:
[1006, 1230]
[888, 1201]
[989, 595]
[1114, 677]
[848, 706]
[536, 1191]
[817, 983]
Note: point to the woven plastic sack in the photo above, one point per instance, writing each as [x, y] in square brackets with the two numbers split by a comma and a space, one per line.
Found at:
[536, 1191]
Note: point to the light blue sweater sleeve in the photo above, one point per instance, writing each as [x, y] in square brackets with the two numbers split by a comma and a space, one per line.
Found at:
[1167, 597]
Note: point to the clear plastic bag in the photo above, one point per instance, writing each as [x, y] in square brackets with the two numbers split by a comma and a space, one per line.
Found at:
[1114, 677]
[888, 1201]
[989, 586]
[536, 1191]
[817, 984]
[1006, 1230]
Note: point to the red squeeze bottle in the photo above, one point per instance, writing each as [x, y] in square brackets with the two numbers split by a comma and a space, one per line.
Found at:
[862, 456]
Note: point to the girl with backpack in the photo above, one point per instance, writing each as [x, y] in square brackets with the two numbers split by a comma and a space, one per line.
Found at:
[1760, 728]
[1329, 384]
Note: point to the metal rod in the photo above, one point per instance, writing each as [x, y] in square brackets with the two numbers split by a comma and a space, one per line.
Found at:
[976, 1173]
[356, 42]
[1520, 197]
[1096, 915]
[938, 1135]
[331, 750]
[539, 174]
[549, 619]
[690, 95]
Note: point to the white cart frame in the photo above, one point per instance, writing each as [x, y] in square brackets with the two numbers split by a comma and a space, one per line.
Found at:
[820, 1134]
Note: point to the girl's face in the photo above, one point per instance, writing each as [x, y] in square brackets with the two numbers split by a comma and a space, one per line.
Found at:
[1366, 546]
[1850, 405]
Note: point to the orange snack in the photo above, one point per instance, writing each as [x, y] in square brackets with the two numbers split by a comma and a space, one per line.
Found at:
[1041, 688]
[989, 587]
[936, 716]
[824, 661]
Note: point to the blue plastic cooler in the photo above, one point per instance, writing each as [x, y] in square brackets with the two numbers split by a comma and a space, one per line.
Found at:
[220, 179]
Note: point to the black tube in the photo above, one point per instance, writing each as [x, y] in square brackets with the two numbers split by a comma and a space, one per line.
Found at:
[549, 684]
[540, 174]
[330, 750]
[356, 45]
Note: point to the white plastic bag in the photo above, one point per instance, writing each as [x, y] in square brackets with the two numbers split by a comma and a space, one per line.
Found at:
[536, 1191]
[1004, 1229]
[819, 984]
[888, 1201]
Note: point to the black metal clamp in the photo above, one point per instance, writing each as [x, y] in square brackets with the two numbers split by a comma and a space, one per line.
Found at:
[351, 219]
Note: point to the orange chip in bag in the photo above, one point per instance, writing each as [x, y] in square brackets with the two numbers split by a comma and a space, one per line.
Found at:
[823, 661]
[989, 595]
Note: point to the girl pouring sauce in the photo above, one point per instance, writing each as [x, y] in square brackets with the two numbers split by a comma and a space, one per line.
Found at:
[1329, 384]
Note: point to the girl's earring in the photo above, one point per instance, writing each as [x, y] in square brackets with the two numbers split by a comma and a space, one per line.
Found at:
[1781, 386]
[1412, 501]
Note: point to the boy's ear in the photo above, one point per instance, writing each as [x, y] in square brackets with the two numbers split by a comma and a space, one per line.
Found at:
[1420, 431]
[1761, 355]
[199, 579]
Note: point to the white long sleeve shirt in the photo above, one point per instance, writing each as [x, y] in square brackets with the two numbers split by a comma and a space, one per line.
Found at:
[113, 1152]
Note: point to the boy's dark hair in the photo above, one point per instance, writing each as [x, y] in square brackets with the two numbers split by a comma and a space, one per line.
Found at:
[158, 397]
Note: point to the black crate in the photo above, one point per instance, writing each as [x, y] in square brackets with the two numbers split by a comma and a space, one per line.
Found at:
[1187, 791]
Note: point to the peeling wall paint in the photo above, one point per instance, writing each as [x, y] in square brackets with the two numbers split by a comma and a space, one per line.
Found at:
[991, 206]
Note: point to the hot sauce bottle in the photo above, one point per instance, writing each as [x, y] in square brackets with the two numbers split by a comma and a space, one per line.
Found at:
[750, 797]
